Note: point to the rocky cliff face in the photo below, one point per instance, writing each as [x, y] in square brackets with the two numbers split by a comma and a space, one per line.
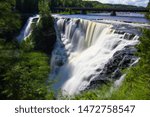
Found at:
[112, 71]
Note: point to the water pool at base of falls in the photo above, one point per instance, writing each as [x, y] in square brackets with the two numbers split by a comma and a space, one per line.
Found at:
[88, 53]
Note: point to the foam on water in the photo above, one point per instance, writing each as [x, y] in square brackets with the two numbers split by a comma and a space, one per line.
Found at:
[27, 29]
[84, 47]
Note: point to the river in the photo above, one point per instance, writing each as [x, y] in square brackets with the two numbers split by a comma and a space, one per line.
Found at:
[123, 17]
[92, 49]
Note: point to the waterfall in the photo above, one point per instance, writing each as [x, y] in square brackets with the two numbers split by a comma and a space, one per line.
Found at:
[27, 29]
[89, 53]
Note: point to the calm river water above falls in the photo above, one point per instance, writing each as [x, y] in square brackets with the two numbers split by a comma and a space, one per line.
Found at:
[124, 17]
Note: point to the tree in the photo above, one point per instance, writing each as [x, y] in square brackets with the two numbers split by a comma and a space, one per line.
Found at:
[43, 35]
[23, 75]
[23, 72]
[9, 20]
[148, 14]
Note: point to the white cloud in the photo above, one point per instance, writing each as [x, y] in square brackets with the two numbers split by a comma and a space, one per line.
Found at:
[129, 2]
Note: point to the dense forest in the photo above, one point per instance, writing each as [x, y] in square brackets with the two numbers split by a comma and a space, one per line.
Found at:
[24, 67]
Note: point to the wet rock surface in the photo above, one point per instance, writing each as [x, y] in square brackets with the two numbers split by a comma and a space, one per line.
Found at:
[112, 70]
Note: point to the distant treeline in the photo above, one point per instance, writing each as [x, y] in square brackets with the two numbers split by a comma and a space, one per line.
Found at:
[31, 6]
[80, 3]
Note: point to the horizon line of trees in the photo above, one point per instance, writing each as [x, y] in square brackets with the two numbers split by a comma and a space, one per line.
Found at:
[31, 6]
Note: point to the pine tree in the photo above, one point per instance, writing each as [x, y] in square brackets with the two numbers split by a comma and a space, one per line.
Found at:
[9, 20]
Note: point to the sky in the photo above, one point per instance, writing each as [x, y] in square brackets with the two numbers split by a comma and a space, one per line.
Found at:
[129, 2]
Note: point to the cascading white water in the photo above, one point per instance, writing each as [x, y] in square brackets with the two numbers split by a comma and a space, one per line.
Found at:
[82, 51]
[27, 29]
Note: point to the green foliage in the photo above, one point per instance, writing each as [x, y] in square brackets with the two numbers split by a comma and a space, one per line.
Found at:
[27, 78]
[100, 93]
[43, 35]
[9, 20]
[44, 7]
[23, 72]
[136, 85]
[24, 75]
[148, 14]
[27, 45]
